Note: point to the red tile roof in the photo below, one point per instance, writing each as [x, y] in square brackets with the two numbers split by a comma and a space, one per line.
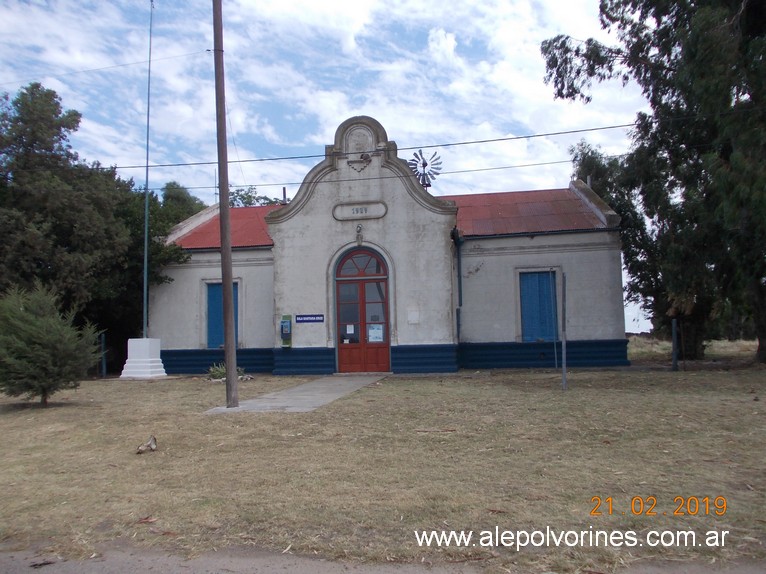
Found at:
[524, 212]
[483, 214]
[248, 229]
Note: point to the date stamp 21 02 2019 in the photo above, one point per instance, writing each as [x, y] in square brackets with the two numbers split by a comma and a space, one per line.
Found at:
[648, 506]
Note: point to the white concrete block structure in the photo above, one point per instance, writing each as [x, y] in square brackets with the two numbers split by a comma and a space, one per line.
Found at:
[371, 273]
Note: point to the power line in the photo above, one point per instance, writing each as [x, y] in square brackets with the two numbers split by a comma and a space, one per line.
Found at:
[383, 177]
[430, 146]
[427, 146]
[316, 156]
[377, 178]
[197, 163]
[442, 145]
[514, 138]
[234, 142]
[104, 68]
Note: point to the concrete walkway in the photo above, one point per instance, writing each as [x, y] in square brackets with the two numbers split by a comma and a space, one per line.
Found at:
[303, 398]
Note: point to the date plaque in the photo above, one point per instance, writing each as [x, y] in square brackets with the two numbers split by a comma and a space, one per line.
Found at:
[359, 210]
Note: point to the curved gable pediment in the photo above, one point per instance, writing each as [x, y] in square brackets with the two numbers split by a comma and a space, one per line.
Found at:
[360, 160]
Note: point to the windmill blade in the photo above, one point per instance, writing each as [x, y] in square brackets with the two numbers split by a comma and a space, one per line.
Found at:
[425, 170]
[436, 166]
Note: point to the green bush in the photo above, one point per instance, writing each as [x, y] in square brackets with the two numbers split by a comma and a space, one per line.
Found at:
[41, 350]
[218, 371]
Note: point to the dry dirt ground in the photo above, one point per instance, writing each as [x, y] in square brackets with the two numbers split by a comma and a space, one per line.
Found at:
[709, 417]
[121, 558]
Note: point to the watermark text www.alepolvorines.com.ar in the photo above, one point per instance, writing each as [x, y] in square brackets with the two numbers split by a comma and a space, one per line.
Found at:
[551, 537]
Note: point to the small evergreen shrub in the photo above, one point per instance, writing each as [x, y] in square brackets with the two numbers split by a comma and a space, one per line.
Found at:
[41, 350]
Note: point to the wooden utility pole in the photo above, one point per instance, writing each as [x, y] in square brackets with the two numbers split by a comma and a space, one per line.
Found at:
[227, 281]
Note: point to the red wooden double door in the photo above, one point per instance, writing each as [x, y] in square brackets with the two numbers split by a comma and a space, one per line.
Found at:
[361, 301]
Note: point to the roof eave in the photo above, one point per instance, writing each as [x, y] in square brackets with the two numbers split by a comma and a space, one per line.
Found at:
[218, 249]
[536, 233]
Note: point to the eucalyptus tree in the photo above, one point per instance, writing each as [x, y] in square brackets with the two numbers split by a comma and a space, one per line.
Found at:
[70, 226]
[695, 169]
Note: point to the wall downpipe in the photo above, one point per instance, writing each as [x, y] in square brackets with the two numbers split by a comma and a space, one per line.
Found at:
[458, 240]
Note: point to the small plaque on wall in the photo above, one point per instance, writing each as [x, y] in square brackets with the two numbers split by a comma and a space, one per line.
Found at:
[309, 318]
[362, 210]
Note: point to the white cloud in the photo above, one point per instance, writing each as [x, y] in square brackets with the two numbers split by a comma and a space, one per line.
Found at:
[441, 47]
[430, 73]
[295, 70]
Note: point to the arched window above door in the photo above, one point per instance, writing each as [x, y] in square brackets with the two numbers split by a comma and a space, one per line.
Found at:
[361, 263]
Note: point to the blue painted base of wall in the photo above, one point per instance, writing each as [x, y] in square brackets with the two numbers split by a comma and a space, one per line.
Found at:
[198, 361]
[602, 353]
[424, 359]
[304, 361]
[409, 358]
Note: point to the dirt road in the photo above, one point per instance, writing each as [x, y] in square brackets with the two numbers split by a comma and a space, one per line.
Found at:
[121, 558]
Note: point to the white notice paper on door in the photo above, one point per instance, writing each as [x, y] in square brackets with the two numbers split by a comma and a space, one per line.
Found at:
[375, 333]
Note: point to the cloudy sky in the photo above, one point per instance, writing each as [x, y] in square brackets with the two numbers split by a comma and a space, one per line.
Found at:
[432, 73]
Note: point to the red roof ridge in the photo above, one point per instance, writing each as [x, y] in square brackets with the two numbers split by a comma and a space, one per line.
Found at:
[188, 225]
[562, 210]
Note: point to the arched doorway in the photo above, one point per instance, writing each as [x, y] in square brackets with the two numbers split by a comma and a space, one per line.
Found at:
[361, 302]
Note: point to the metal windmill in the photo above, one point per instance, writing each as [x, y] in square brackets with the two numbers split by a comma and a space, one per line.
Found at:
[424, 169]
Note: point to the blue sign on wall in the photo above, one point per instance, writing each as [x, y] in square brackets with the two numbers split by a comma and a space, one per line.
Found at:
[309, 318]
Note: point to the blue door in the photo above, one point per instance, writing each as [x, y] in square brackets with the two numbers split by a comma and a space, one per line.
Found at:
[215, 315]
[539, 321]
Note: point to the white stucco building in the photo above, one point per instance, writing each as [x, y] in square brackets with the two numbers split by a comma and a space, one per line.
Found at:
[373, 273]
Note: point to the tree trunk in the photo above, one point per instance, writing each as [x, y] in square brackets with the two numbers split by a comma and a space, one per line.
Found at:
[758, 304]
[44, 399]
[691, 339]
[760, 333]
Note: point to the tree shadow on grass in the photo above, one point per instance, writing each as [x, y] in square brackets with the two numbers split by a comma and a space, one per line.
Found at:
[37, 406]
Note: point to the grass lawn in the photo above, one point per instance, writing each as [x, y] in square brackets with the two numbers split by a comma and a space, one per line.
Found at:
[356, 478]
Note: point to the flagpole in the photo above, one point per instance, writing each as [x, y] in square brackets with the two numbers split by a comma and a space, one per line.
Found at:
[144, 354]
[146, 185]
